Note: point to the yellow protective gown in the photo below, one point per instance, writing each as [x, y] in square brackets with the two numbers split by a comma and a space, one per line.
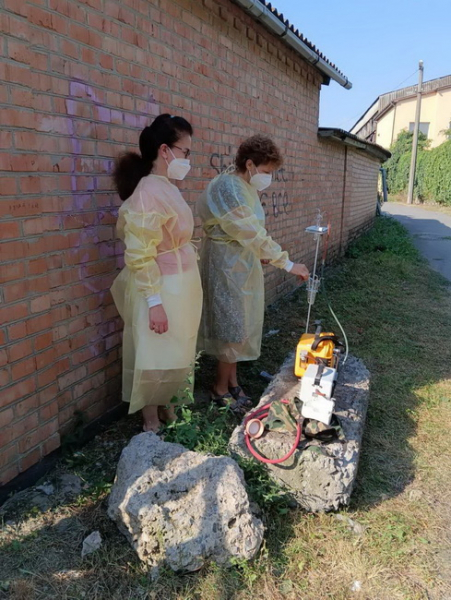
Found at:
[156, 226]
[232, 277]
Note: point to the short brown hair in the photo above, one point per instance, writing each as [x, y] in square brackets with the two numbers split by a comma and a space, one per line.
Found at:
[261, 150]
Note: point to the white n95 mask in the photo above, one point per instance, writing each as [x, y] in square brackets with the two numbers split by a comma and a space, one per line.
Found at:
[260, 181]
[178, 168]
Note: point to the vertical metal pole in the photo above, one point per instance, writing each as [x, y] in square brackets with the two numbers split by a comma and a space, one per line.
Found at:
[384, 185]
[393, 125]
[313, 276]
[413, 162]
[308, 317]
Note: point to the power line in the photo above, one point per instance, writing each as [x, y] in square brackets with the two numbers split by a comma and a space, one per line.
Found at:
[396, 88]
[407, 78]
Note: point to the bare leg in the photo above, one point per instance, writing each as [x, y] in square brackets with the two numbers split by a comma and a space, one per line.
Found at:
[233, 379]
[167, 414]
[151, 420]
[221, 385]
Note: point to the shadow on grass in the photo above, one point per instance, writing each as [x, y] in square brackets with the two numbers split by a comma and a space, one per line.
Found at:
[42, 559]
[46, 564]
[397, 315]
[401, 328]
[396, 312]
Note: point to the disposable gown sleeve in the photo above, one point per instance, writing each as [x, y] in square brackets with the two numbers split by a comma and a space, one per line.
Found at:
[143, 232]
[231, 207]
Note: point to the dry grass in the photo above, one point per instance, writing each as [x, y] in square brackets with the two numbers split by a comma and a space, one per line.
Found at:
[398, 315]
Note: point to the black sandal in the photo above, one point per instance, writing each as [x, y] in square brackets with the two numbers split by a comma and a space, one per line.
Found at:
[227, 400]
[239, 396]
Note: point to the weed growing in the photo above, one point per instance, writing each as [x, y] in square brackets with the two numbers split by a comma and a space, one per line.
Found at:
[397, 314]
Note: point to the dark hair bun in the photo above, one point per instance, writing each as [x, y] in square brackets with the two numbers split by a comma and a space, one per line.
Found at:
[129, 169]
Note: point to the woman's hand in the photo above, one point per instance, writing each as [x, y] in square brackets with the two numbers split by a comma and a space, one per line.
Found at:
[301, 271]
[158, 319]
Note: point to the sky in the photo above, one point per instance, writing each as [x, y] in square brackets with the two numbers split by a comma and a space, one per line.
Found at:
[376, 45]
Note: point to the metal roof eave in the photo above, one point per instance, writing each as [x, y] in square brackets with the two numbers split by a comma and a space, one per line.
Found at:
[370, 112]
[349, 139]
[260, 12]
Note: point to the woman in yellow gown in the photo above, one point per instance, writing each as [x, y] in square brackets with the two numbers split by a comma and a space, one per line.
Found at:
[236, 245]
[158, 293]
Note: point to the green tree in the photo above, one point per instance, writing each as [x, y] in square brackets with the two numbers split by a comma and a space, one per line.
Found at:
[433, 171]
[398, 166]
[436, 182]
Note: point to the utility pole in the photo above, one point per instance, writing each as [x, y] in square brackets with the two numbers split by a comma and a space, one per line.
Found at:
[413, 161]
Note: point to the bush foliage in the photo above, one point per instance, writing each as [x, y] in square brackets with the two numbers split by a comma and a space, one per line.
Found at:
[433, 172]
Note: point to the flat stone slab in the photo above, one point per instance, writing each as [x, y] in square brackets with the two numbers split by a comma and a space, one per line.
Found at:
[319, 476]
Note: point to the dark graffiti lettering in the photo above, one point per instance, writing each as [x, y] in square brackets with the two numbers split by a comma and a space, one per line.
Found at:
[282, 175]
[286, 203]
[264, 202]
[273, 203]
[275, 207]
[20, 205]
[220, 162]
[279, 203]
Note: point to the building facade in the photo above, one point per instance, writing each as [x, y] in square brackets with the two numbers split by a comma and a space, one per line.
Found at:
[393, 112]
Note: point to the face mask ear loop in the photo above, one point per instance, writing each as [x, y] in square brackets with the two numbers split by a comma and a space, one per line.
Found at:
[166, 160]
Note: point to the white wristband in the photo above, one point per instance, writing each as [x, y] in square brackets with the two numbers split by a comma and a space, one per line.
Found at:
[289, 265]
[154, 300]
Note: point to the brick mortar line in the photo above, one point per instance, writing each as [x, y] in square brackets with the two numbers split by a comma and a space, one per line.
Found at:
[71, 369]
[201, 88]
[261, 51]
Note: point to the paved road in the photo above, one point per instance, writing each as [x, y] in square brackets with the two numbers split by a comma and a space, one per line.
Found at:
[431, 233]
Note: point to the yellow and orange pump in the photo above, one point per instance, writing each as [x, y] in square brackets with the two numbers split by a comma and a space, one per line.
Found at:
[318, 354]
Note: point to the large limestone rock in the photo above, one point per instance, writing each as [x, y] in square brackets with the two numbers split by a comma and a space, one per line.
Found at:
[319, 476]
[179, 508]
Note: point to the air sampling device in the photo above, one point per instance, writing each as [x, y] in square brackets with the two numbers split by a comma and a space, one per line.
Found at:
[318, 354]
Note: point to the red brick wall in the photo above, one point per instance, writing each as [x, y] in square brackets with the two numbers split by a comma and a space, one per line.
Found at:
[82, 79]
[362, 185]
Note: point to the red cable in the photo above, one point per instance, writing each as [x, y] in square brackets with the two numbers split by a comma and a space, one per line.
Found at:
[254, 452]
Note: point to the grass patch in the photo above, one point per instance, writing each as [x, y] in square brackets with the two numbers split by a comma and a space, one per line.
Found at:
[397, 313]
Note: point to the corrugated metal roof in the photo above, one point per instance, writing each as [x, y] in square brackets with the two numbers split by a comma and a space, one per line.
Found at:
[297, 33]
[428, 86]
